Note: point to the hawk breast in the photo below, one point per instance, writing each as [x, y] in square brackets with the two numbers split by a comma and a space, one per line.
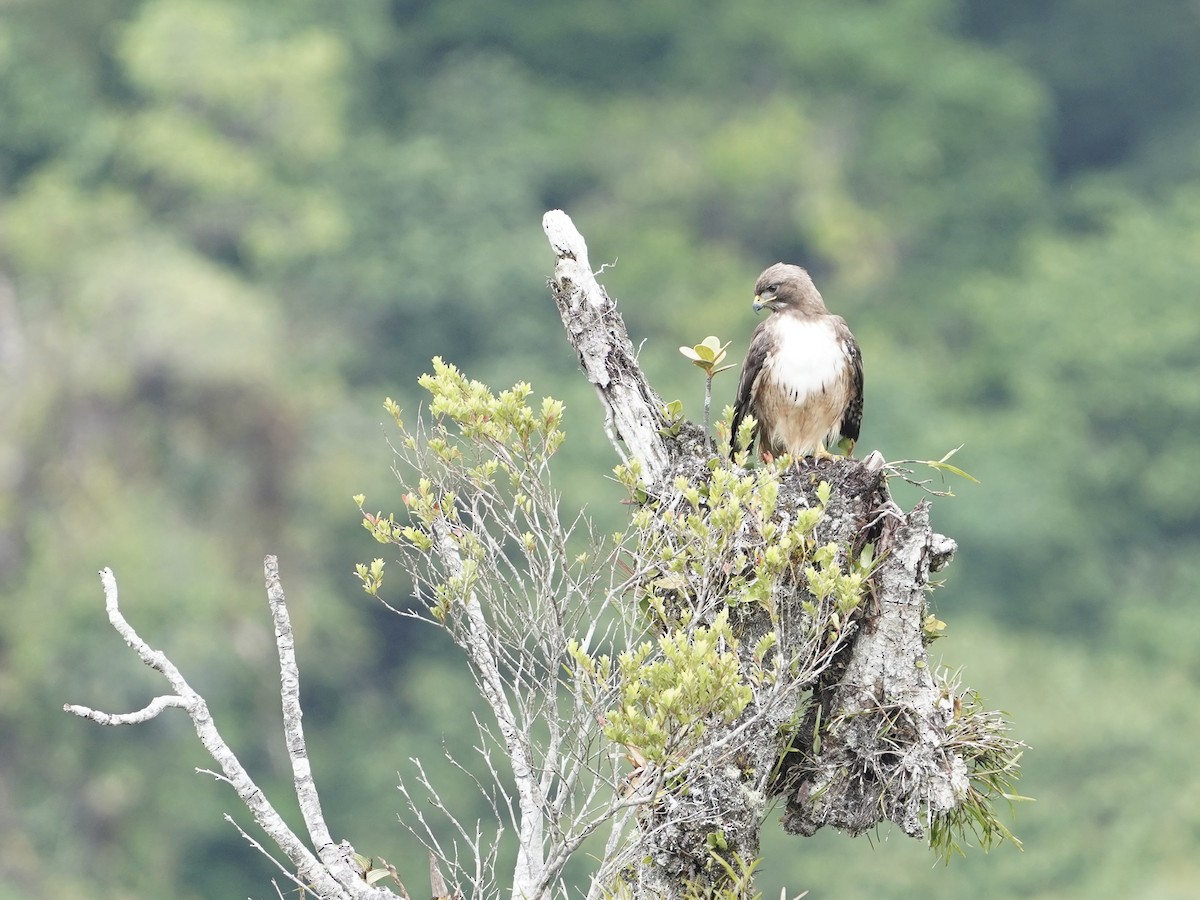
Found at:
[808, 356]
[805, 385]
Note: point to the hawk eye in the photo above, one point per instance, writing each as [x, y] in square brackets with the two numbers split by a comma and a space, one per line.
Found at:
[772, 288]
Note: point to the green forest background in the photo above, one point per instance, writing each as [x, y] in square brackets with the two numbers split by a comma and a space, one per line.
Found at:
[230, 228]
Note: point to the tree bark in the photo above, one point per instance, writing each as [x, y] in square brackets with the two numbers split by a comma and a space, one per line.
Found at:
[882, 753]
[634, 418]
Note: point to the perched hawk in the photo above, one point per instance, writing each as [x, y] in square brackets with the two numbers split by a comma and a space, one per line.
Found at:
[802, 379]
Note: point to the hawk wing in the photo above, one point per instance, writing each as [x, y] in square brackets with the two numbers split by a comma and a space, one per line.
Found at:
[852, 417]
[762, 345]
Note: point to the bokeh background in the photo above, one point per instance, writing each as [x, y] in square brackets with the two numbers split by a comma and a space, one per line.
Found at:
[230, 228]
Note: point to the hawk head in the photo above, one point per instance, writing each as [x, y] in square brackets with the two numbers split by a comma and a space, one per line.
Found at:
[787, 287]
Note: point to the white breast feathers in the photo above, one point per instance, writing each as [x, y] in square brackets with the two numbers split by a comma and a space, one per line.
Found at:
[808, 357]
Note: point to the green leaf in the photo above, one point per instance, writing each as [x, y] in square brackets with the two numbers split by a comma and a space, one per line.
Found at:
[823, 492]
[707, 354]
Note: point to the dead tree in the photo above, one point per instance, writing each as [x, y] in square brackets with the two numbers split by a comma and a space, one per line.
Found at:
[757, 635]
[856, 727]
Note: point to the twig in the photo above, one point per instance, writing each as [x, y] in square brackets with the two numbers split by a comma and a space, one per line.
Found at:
[145, 714]
[707, 401]
[263, 850]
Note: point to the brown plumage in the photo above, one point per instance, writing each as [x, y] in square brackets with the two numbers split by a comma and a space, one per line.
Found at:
[802, 379]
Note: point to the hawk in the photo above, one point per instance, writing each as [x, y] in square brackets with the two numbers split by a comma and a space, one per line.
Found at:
[802, 379]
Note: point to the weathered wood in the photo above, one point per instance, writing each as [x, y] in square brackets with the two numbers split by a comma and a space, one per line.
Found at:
[884, 720]
[634, 418]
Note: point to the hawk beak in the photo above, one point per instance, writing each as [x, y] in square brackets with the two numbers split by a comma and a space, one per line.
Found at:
[758, 304]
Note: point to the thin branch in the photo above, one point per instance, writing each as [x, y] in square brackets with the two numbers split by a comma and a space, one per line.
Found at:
[145, 714]
[263, 850]
[289, 676]
[338, 858]
[530, 864]
[216, 776]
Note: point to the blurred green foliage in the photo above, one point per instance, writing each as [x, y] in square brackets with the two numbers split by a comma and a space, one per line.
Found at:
[229, 228]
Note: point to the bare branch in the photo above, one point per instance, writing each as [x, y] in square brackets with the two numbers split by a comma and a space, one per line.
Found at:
[310, 804]
[338, 858]
[530, 862]
[263, 850]
[311, 871]
[145, 714]
[595, 329]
